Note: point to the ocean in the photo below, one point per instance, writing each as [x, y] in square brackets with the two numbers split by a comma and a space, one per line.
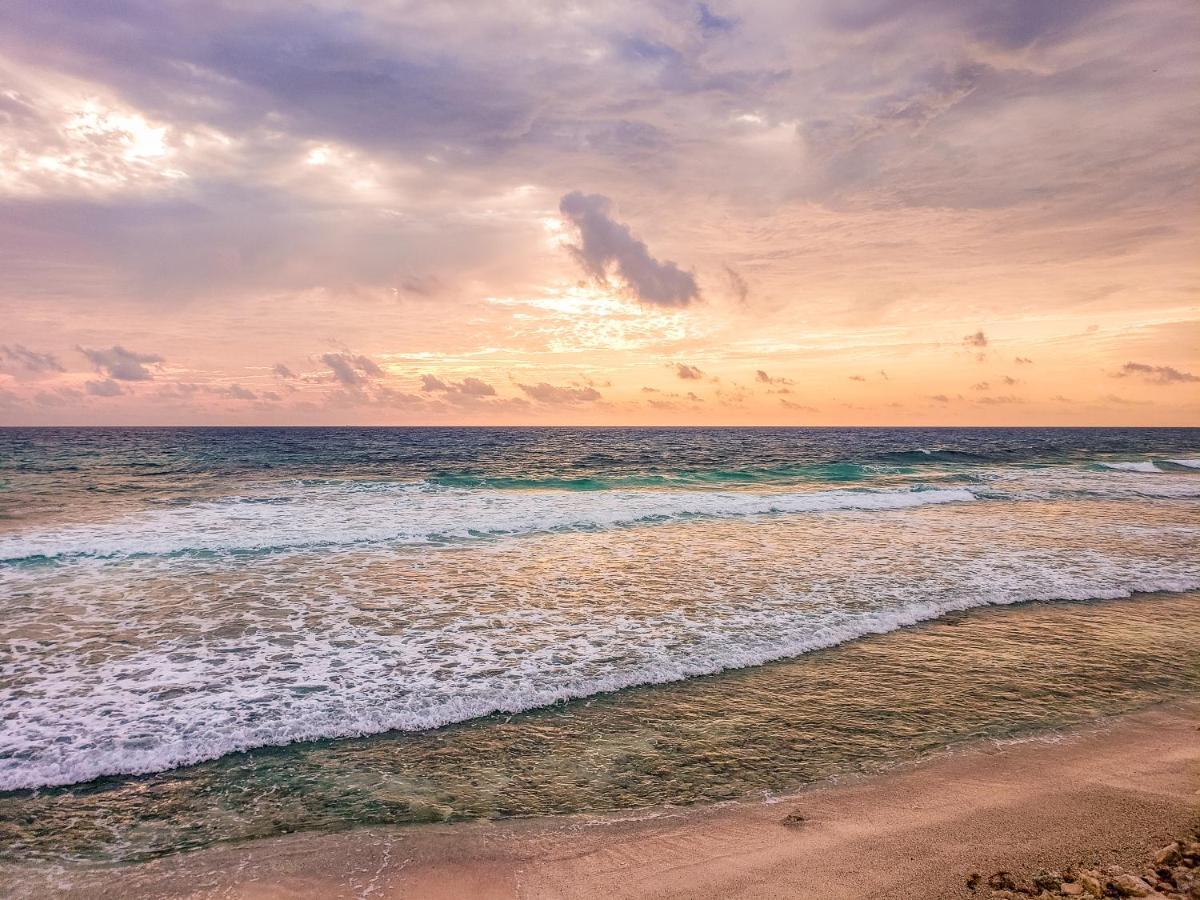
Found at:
[217, 634]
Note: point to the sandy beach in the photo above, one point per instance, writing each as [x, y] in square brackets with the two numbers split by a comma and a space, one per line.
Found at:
[1106, 794]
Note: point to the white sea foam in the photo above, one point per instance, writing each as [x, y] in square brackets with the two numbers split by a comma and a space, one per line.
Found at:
[142, 664]
[1146, 466]
[1189, 463]
[339, 514]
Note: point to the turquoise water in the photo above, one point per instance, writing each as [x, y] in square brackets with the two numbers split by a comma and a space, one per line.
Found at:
[220, 634]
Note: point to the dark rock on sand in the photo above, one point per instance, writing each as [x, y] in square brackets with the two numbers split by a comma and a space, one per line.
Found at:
[1173, 873]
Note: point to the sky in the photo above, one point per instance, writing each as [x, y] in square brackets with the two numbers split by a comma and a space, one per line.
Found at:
[780, 212]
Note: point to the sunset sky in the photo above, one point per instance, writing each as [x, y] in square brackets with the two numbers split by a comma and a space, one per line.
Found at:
[863, 212]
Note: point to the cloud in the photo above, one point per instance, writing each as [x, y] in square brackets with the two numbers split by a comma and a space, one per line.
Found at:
[122, 364]
[352, 370]
[763, 378]
[57, 398]
[978, 339]
[939, 128]
[605, 241]
[468, 387]
[1156, 374]
[799, 407]
[737, 285]
[981, 386]
[432, 383]
[1023, 361]
[939, 398]
[282, 371]
[1003, 400]
[711, 23]
[559, 396]
[237, 392]
[19, 357]
[105, 388]
[688, 373]
[1009, 380]
[1124, 401]
[857, 378]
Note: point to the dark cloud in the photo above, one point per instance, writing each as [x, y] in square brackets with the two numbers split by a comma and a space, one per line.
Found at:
[1156, 374]
[1009, 380]
[857, 378]
[559, 396]
[978, 339]
[688, 373]
[22, 358]
[122, 364]
[282, 371]
[763, 378]
[1023, 361]
[939, 398]
[605, 241]
[352, 370]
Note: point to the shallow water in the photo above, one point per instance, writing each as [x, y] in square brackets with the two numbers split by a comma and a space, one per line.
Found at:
[177, 597]
[859, 707]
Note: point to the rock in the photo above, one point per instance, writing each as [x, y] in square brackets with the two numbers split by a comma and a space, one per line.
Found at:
[1071, 889]
[1131, 886]
[794, 819]
[1091, 884]
[1002, 881]
[1168, 855]
[1047, 881]
[974, 880]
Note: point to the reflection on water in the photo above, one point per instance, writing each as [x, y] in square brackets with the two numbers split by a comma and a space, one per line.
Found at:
[857, 707]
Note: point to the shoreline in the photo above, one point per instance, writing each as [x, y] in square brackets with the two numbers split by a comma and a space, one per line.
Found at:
[1106, 793]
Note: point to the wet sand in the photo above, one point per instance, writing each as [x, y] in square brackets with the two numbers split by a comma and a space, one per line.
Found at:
[1105, 794]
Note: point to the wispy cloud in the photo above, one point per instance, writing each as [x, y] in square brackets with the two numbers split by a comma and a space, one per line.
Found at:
[1155, 374]
[121, 364]
[551, 394]
[350, 369]
[468, 387]
[19, 358]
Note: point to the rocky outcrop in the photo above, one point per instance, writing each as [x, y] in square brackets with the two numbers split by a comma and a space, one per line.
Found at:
[1173, 873]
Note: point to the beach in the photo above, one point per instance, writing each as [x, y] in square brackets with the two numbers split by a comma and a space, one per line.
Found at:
[1103, 794]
